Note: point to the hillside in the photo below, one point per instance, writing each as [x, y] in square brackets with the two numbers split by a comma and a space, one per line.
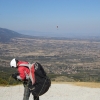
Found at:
[6, 35]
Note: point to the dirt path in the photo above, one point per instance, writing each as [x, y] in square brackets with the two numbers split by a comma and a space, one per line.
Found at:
[56, 92]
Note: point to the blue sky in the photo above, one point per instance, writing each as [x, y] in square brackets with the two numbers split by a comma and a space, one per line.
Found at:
[41, 17]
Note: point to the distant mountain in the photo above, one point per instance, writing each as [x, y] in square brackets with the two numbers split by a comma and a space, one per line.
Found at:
[6, 35]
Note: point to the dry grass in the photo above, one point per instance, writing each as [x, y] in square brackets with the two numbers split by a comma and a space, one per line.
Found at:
[83, 84]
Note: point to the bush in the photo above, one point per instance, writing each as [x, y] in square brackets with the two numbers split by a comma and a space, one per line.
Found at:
[3, 82]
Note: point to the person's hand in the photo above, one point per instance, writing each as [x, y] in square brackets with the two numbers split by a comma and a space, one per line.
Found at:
[15, 75]
[25, 82]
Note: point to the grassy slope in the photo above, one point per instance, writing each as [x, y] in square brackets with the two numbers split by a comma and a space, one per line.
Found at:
[83, 84]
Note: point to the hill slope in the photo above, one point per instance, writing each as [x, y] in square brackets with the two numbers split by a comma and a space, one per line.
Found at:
[6, 35]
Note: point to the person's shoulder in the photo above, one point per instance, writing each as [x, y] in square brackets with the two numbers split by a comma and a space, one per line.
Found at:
[21, 67]
[23, 62]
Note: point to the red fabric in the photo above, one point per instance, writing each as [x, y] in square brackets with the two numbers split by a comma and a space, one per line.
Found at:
[23, 70]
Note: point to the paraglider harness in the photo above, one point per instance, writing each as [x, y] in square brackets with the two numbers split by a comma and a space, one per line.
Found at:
[42, 81]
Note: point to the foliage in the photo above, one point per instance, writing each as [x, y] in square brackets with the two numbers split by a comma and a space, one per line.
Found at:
[82, 75]
[5, 76]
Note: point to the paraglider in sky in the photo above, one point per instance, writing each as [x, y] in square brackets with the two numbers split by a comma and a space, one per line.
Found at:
[57, 27]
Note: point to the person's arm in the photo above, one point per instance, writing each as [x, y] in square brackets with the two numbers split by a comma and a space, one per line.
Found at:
[21, 75]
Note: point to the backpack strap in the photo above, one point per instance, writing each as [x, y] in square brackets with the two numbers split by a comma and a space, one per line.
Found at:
[32, 74]
[26, 65]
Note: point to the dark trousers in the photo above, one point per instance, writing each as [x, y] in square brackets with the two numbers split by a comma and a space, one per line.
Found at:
[27, 94]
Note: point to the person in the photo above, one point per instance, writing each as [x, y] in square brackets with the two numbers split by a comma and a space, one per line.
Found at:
[33, 76]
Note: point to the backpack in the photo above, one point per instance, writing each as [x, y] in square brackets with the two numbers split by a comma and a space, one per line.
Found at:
[42, 81]
[39, 70]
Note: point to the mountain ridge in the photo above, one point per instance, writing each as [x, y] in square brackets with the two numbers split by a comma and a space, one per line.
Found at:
[6, 35]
